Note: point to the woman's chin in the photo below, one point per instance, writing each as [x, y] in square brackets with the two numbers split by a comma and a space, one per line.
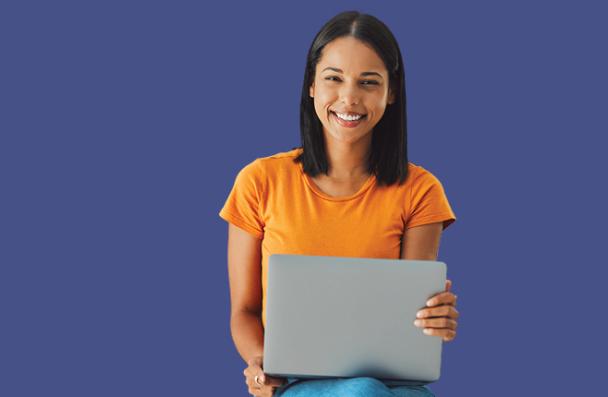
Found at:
[345, 137]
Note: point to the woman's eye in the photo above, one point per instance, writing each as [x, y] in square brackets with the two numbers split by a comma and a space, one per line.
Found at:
[364, 82]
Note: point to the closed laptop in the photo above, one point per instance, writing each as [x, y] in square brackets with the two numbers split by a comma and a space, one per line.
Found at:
[347, 317]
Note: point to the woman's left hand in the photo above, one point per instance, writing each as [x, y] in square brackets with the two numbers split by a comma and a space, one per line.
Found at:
[439, 316]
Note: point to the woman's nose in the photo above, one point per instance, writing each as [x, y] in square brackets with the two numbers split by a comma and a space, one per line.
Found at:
[349, 95]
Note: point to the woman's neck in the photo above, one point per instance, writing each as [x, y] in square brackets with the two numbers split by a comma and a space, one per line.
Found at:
[348, 161]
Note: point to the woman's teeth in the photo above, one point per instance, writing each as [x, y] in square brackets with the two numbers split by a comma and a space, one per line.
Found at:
[349, 117]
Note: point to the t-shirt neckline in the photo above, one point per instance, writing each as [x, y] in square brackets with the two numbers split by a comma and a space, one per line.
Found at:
[368, 183]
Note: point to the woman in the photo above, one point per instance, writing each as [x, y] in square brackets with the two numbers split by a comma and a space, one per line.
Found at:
[349, 190]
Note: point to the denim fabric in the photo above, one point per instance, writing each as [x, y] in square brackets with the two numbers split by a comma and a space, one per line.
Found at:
[348, 387]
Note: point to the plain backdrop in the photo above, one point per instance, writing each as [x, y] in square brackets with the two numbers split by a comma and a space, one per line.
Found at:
[123, 125]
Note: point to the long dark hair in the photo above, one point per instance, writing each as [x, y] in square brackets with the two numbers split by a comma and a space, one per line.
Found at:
[388, 155]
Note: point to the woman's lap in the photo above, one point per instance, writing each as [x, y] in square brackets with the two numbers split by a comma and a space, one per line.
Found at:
[348, 387]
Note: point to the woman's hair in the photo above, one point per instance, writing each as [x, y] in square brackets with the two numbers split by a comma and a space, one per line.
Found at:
[388, 155]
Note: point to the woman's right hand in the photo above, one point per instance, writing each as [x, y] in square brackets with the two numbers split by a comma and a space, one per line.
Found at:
[267, 384]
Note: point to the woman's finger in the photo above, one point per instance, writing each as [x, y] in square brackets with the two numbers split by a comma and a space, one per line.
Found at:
[252, 370]
[448, 285]
[439, 311]
[250, 373]
[446, 334]
[250, 381]
[261, 383]
[442, 298]
[441, 322]
[261, 392]
[258, 392]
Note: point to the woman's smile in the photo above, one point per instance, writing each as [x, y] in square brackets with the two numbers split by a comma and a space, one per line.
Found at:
[348, 120]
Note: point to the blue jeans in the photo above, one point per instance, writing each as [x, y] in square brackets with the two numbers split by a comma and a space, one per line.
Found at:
[349, 387]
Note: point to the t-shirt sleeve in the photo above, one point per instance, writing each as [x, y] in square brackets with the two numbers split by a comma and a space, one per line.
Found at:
[428, 202]
[243, 205]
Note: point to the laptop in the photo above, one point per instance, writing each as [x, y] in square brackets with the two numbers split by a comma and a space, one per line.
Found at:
[330, 316]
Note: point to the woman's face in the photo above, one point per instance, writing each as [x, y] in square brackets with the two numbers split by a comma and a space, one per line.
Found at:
[350, 82]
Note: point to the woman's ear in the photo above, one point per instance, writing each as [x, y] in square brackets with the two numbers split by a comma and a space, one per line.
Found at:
[311, 90]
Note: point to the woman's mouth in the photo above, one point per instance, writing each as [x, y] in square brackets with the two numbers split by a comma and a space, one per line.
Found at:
[348, 120]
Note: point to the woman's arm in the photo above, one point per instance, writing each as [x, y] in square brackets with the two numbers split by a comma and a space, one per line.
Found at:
[244, 273]
[422, 242]
[439, 318]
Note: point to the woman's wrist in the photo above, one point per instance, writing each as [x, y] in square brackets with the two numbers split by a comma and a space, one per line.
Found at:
[248, 335]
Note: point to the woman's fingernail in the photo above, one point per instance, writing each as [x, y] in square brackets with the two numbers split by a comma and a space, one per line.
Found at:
[430, 302]
[426, 331]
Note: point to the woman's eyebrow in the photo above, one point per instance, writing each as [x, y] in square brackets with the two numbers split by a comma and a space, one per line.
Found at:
[362, 74]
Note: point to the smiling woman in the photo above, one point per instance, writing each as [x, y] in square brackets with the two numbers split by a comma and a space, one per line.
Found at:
[351, 185]
[353, 95]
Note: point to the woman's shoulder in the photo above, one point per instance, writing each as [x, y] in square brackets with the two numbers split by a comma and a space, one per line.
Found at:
[419, 175]
[282, 156]
[279, 161]
[267, 165]
[414, 171]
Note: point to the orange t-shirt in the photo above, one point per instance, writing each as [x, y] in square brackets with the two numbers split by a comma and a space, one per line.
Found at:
[274, 200]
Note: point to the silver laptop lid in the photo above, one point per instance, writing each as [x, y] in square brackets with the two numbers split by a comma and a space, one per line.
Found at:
[346, 317]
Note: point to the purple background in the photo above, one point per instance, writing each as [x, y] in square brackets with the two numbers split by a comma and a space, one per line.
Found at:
[123, 125]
